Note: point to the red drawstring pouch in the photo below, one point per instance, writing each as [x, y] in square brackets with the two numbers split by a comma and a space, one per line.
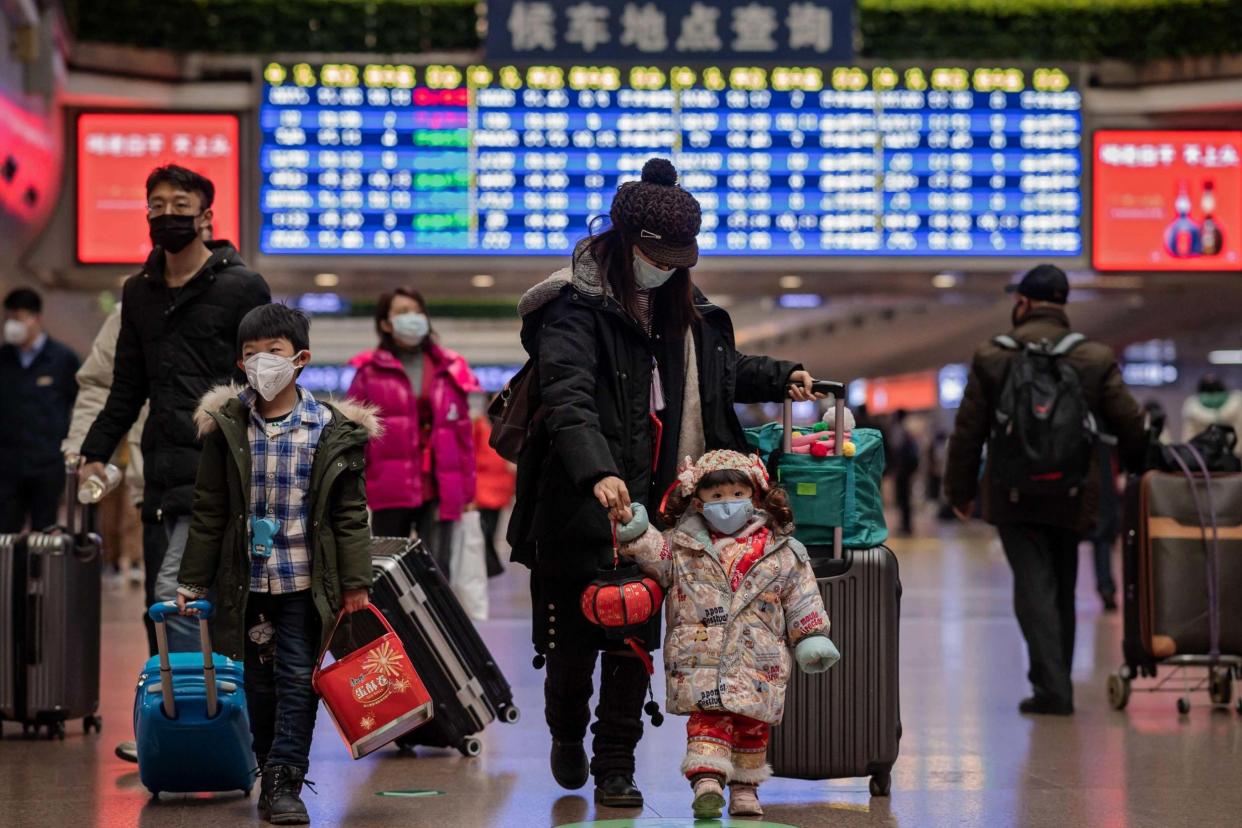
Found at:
[371, 691]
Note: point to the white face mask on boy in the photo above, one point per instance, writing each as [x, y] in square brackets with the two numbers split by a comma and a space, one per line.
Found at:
[269, 374]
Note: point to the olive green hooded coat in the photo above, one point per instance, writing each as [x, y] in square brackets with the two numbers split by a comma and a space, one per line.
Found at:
[217, 554]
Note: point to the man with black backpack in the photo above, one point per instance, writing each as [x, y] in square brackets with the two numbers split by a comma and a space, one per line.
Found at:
[1040, 398]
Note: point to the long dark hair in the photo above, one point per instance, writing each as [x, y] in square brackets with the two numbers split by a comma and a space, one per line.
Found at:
[672, 303]
[384, 306]
[775, 502]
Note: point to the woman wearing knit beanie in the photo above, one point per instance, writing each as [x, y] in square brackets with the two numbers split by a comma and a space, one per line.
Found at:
[636, 370]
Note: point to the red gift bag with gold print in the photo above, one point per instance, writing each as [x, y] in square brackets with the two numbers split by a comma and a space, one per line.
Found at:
[371, 691]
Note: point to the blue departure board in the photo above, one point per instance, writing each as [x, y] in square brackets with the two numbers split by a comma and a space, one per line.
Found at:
[443, 159]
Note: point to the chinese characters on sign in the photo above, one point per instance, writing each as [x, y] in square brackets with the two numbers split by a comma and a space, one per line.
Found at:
[116, 152]
[640, 29]
[785, 160]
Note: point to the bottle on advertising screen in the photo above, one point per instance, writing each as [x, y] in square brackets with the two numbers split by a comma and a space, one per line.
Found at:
[1210, 239]
[1181, 238]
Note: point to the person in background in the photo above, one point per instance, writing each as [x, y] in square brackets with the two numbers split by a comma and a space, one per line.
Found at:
[1212, 404]
[905, 462]
[37, 378]
[421, 471]
[1107, 526]
[497, 483]
[1158, 421]
[937, 457]
[120, 511]
[179, 318]
[1040, 532]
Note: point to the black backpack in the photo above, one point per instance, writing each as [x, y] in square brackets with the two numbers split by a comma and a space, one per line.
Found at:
[1044, 432]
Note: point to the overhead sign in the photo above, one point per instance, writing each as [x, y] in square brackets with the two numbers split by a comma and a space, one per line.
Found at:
[648, 31]
[479, 160]
[116, 153]
[1167, 200]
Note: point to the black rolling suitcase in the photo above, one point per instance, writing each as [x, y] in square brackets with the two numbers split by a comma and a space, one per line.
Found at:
[847, 722]
[49, 625]
[464, 681]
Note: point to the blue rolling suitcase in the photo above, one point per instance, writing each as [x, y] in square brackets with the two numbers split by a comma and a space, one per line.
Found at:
[190, 717]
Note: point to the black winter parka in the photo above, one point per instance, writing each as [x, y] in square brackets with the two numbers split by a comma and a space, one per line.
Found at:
[174, 347]
[595, 367]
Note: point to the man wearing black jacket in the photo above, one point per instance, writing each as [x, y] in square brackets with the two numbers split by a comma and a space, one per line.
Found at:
[37, 375]
[179, 318]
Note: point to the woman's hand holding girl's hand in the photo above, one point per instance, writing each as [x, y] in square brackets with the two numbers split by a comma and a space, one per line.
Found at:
[800, 383]
[356, 599]
[633, 528]
[613, 495]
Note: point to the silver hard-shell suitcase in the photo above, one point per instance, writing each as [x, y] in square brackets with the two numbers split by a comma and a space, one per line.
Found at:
[50, 625]
[846, 722]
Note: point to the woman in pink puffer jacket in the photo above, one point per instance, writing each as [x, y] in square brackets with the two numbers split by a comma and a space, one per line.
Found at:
[421, 472]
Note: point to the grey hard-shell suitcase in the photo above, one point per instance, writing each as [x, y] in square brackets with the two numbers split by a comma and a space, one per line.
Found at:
[846, 722]
[49, 626]
[466, 684]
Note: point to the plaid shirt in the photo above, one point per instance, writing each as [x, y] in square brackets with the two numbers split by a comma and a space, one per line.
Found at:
[281, 456]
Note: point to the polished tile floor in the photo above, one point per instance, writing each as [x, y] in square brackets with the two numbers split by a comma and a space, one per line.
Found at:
[967, 757]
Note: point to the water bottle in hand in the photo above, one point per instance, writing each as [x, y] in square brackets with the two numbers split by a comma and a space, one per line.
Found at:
[93, 489]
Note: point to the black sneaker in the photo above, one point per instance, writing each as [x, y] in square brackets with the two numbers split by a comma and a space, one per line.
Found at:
[570, 767]
[285, 806]
[618, 791]
[1043, 706]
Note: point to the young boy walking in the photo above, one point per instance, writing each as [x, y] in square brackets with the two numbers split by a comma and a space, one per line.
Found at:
[279, 537]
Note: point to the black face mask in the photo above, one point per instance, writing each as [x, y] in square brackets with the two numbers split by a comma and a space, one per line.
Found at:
[172, 232]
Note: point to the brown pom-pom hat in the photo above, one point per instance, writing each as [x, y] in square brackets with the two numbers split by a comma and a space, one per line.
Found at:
[661, 217]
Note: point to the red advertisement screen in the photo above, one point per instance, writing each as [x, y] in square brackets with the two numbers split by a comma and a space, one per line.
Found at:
[1167, 200]
[913, 392]
[116, 152]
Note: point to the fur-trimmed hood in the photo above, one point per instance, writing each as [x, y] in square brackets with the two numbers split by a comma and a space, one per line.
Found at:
[213, 402]
[583, 274]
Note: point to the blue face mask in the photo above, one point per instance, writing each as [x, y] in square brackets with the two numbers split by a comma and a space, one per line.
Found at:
[727, 516]
[648, 276]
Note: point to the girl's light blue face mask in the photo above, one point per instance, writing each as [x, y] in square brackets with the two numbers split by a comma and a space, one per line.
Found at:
[727, 516]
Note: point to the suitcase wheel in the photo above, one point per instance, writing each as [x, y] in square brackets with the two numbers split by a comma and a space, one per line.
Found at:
[56, 730]
[1183, 705]
[1220, 686]
[470, 747]
[92, 723]
[1118, 691]
[510, 715]
[881, 784]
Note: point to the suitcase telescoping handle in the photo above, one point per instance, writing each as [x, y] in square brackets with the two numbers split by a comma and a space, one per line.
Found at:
[79, 519]
[158, 613]
[837, 390]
